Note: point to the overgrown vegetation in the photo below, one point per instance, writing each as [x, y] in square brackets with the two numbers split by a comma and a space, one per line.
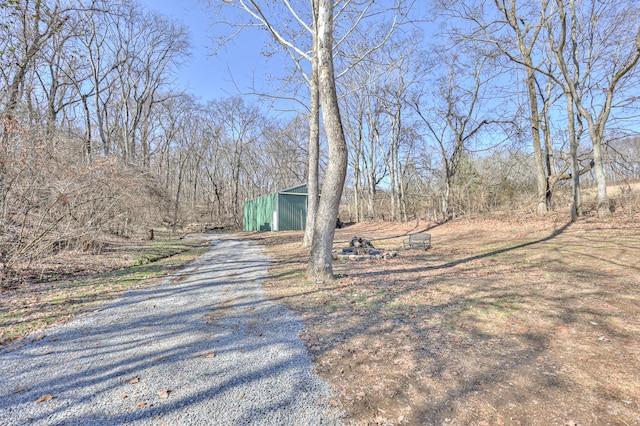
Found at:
[53, 201]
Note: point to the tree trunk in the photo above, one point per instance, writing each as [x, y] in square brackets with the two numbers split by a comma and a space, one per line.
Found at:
[446, 197]
[575, 167]
[87, 135]
[371, 187]
[320, 268]
[176, 205]
[314, 148]
[541, 176]
[356, 189]
[602, 199]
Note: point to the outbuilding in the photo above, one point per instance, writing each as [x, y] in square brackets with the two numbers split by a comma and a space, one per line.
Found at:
[284, 210]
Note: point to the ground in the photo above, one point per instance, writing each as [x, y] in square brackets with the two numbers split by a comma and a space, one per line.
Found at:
[55, 289]
[502, 322]
[529, 322]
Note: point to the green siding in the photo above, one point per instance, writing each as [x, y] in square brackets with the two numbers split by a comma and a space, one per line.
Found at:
[258, 213]
[290, 205]
[292, 212]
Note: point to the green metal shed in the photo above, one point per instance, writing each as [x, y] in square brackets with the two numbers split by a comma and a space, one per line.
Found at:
[284, 210]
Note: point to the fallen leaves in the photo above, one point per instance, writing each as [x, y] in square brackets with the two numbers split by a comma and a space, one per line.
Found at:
[19, 389]
[134, 380]
[164, 393]
[43, 398]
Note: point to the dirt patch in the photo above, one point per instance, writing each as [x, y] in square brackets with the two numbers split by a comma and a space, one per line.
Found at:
[531, 322]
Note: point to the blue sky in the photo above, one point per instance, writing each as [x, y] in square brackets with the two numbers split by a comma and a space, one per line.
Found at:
[209, 76]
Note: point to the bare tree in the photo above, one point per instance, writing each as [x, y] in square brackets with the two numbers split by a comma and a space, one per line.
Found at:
[293, 26]
[515, 31]
[581, 37]
[242, 126]
[320, 266]
[151, 45]
[297, 38]
[455, 118]
[35, 23]
[363, 124]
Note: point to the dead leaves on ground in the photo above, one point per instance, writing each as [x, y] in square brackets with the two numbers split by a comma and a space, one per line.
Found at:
[162, 394]
[43, 398]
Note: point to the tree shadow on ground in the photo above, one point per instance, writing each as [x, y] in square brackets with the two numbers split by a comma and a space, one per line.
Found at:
[516, 333]
[210, 355]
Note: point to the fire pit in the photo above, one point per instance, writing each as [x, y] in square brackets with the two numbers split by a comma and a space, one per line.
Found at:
[361, 249]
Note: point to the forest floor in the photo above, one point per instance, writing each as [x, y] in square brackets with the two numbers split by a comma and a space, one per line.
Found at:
[502, 322]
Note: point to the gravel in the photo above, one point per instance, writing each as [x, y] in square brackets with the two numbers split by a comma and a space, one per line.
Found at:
[204, 347]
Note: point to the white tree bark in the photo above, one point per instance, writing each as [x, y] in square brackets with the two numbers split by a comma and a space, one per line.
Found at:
[313, 180]
[320, 266]
[596, 120]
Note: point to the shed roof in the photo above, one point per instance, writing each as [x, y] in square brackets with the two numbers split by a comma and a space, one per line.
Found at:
[296, 190]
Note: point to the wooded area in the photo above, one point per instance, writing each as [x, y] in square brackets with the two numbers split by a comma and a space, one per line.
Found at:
[446, 109]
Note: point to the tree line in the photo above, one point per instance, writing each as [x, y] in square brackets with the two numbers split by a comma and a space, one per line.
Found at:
[445, 108]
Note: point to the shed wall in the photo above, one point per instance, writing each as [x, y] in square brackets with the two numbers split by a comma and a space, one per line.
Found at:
[282, 211]
[258, 213]
[292, 212]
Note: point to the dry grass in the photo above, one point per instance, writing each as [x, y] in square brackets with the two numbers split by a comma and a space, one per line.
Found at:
[74, 282]
[502, 322]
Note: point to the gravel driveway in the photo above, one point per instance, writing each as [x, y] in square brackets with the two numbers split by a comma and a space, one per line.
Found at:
[204, 347]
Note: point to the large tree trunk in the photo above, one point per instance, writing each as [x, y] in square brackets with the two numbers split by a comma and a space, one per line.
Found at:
[541, 176]
[602, 199]
[314, 148]
[575, 167]
[320, 267]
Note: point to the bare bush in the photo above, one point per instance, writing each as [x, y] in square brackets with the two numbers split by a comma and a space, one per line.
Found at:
[628, 199]
[52, 200]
